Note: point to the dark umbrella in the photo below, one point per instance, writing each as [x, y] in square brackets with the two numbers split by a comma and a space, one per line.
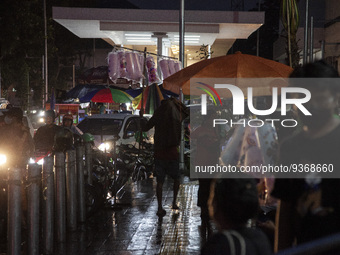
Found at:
[81, 90]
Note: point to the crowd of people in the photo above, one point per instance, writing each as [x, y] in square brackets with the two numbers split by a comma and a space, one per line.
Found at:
[308, 204]
[308, 207]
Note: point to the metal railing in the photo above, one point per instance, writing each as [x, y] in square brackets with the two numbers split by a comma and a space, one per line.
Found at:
[56, 192]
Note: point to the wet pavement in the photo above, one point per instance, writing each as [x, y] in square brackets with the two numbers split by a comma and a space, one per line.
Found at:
[132, 227]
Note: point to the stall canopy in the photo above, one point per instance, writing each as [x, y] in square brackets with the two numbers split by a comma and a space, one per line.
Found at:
[106, 95]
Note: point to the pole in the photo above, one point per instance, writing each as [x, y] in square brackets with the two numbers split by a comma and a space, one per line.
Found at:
[88, 162]
[311, 50]
[81, 183]
[46, 58]
[289, 36]
[14, 211]
[73, 76]
[71, 190]
[94, 52]
[145, 84]
[28, 91]
[48, 205]
[305, 46]
[181, 33]
[181, 58]
[322, 49]
[159, 36]
[60, 196]
[258, 34]
[33, 200]
[43, 80]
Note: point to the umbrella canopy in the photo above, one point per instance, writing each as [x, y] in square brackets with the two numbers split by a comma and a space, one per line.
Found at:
[152, 98]
[81, 90]
[106, 95]
[236, 65]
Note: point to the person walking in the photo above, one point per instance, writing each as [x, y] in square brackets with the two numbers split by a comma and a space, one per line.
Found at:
[167, 122]
[207, 154]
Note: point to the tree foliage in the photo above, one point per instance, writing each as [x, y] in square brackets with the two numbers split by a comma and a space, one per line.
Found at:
[22, 47]
[203, 52]
[22, 31]
[290, 20]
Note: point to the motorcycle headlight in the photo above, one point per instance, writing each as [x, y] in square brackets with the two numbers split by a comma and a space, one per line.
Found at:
[3, 159]
[105, 147]
[40, 162]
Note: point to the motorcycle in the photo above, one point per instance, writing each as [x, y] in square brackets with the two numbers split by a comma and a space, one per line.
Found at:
[113, 167]
[138, 161]
[109, 176]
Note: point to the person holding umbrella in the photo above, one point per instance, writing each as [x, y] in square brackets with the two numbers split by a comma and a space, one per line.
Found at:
[167, 121]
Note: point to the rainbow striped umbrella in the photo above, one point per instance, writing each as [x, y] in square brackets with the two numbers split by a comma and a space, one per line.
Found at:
[106, 95]
[152, 99]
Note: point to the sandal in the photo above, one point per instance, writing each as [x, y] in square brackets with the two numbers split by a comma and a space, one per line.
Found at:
[161, 213]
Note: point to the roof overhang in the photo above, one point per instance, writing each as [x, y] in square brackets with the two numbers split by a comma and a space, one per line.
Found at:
[137, 26]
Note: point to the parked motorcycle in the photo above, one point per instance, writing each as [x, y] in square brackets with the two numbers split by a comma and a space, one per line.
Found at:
[138, 161]
[109, 176]
[113, 166]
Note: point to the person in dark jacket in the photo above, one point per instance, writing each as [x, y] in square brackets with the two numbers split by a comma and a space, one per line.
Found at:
[15, 139]
[167, 122]
[45, 135]
[232, 203]
[309, 207]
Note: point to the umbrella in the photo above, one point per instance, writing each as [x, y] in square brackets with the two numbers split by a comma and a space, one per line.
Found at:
[81, 90]
[106, 95]
[152, 99]
[236, 65]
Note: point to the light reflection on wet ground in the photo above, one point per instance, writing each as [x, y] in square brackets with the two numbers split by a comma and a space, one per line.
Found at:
[134, 228]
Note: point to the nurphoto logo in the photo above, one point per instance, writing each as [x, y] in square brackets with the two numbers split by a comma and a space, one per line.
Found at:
[239, 100]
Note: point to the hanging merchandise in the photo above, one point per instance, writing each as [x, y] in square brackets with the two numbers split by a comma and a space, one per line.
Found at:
[178, 66]
[164, 65]
[122, 65]
[171, 64]
[152, 71]
[129, 68]
[129, 65]
[138, 68]
[113, 66]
